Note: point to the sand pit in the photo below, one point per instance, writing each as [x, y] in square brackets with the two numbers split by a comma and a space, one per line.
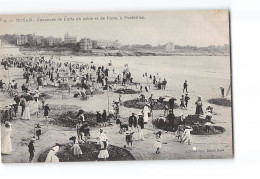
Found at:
[194, 121]
[90, 153]
[220, 101]
[126, 91]
[64, 115]
[137, 104]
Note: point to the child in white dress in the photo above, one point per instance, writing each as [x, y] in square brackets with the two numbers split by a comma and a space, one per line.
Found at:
[103, 151]
[186, 135]
[158, 143]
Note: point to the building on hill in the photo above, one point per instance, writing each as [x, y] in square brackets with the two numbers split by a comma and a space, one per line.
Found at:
[85, 44]
[169, 47]
[21, 40]
[105, 44]
[52, 41]
[70, 39]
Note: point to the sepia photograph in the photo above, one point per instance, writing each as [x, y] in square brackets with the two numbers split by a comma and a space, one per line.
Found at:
[116, 86]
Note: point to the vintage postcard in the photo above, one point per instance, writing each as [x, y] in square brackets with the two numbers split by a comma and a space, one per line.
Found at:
[115, 86]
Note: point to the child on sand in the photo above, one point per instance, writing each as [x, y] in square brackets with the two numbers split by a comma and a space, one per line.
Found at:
[158, 143]
[103, 154]
[38, 131]
[31, 149]
[186, 135]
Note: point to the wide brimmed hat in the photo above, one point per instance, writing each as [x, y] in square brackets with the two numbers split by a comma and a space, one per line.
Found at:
[140, 114]
[127, 133]
[32, 139]
[188, 127]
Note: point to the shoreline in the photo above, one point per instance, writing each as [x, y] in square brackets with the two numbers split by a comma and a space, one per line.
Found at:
[119, 52]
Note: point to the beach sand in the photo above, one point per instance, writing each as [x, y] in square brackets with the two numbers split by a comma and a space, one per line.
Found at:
[203, 81]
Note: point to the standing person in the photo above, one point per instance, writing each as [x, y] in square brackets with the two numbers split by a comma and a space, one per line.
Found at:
[103, 154]
[171, 103]
[31, 149]
[98, 117]
[16, 104]
[79, 133]
[52, 157]
[46, 109]
[38, 131]
[6, 147]
[86, 131]
[131, 121]
[26, 114]
[146, 112]
[36, 106]
[182, 105]
[104, 117]
[166, 110]
[171, 119]
[158, 143]
[187, 98]
[22, 104]
[140, 126]
[102, 136]
[185, 86]
[199, 105]
[75, 147]
[186, 135]
[222, 92]
[120, 99]
[135, 124]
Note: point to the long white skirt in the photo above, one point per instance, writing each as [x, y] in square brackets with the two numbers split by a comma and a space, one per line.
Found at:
[6, 147]
[158, 144]
[103, 154]
[26, 113]
[76, 149]
[51, 157]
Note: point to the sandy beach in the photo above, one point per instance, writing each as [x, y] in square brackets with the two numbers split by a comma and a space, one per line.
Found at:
[205, 82]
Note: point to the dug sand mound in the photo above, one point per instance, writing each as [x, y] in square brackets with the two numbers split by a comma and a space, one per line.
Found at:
[90, 153]
[221, 102]
[65, 116]
[126, 91]
[137, 104]
[197, 124]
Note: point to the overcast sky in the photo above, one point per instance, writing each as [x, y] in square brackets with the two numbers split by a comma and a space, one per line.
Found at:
[201, 28]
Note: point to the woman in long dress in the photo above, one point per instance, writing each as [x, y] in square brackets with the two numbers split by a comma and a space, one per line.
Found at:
[51, 157]
[7, 143]
[199, 105]
[146, 112]
[26, 113]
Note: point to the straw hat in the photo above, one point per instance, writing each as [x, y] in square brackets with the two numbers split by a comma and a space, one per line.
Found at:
[188, 127]
[127, 133]
[32, 139]
[140, 114]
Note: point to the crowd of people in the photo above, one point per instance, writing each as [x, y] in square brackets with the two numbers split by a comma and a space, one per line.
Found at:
[38, 72]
